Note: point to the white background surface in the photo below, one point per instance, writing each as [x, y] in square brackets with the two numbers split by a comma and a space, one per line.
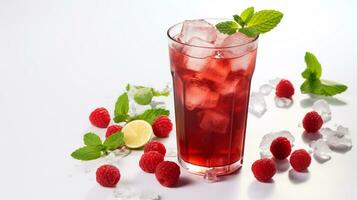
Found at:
[61, 59]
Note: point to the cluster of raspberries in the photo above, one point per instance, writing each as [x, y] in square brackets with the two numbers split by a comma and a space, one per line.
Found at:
[152, 161]
[264, 169]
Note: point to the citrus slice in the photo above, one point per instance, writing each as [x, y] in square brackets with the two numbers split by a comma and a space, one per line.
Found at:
[137, 133]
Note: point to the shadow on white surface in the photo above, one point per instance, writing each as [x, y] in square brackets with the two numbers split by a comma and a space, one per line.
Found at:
[282, 165]
[307, 138]
[258, 190]
[97, 192]
[309, 101]
[298, 177]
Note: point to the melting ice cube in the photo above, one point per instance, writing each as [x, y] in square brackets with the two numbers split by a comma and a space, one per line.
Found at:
[239, 43]
[198, 28]
[214, 121]
[322, 107]
[257, 104]
[244, 62]
[199, 95]
[337, 140]
[274, 82]
[321, 150]
[265, 89]
[268, 139]
[196, 50]
[282, 102]
[210, 176]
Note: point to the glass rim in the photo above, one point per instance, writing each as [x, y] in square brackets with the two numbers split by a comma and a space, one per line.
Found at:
[206, 47]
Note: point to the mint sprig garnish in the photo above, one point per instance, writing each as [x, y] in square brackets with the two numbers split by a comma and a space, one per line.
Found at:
[251, 23]
[313, 84]
[95, 148]
[121, 108]
[151, 114]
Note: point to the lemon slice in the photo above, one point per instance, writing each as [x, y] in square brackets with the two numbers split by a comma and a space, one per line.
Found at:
[137, 133]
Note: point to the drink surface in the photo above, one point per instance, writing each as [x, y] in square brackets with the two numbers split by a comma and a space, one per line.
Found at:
[211, 90]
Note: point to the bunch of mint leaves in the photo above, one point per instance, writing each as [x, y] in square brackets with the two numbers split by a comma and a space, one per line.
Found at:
[251, 23]
[142, 96]
[313, 84]
[94, 147]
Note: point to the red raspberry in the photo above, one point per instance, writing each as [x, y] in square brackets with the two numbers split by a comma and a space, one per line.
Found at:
[264, 169]
[280, 148]
[112, 129]
[108, 175]
[155, 146]
[300, 160]
[150, 160]
[162, 126]
[100, 118]
[284, 89]
[167, 173]
[312, 122]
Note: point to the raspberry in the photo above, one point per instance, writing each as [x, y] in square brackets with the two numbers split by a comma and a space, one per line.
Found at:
[300, 160]
[100, 118]
[162, 126]
[264, 169]
[312, 122]
[155, 146]
[108, 175]
[112, 129]
[150, 160]
[280, 148]
[284, 89]
[167, 173]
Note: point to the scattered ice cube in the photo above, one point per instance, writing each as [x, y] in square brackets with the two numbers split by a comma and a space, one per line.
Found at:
[125, 193]
[121, 153]
[257, 104]
[282, 102]
[337, 140]
[199, 95]
[274, 82]
[196, 50]
[265, 89]
[198, 28]
[211, 176]
[171, 152]
[149, 195]
[322, 107]
[321, 150]
[268, 139]
[214, 121]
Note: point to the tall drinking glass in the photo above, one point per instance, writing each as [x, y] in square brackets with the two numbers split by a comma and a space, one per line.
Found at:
[211, 91]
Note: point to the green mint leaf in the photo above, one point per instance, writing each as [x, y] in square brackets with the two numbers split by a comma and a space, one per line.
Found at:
[121, 108]
[228, 27]
[331, 88]
[143, 96]
[313, 70]
[151, 114]
[114, 141]
[247, 14]
[91, 139]
[265, 20]
[311, 87]
[250, 32]
[127, 87]
[239, 20]
[87, 153]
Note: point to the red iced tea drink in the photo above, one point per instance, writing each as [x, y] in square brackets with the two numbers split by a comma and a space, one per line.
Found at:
[211, 75]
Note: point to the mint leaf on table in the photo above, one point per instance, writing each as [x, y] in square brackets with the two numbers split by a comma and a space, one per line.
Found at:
[228, 27]
[247, 14]
[151, 114]
[121, 108]
[114, 141]
[91, 139]
[87, 153]
[313, 84]
[250, 23]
